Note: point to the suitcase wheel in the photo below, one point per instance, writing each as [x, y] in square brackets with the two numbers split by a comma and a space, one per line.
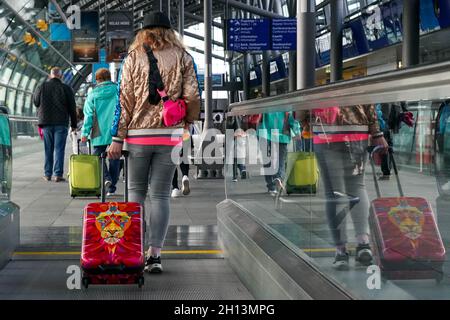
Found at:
[85, 282]
[140, 282]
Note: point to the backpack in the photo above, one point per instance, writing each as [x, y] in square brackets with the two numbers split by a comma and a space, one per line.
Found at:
[381, 120]
[173, 111]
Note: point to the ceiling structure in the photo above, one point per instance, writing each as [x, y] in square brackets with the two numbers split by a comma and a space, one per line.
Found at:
[27, 55]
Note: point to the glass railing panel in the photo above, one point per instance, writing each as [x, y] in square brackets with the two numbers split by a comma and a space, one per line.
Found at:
[262, 155]
[375, 236]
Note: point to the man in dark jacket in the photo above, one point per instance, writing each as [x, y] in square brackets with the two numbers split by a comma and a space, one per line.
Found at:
[56, 105]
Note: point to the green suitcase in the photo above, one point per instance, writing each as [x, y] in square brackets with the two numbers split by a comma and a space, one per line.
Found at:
[303, 173]
[85, 175]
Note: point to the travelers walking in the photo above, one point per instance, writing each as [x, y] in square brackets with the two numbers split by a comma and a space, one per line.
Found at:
[98, 116]
[56, 105]
[274, 134]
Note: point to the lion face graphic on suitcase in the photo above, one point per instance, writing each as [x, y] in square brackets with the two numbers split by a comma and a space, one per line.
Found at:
[112, 224]
[408, 219]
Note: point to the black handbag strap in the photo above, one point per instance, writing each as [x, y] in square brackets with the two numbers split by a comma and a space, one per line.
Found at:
[155, 81]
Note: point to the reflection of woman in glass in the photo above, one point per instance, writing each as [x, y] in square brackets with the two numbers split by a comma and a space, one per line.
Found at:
[443, 148]
[332, 141]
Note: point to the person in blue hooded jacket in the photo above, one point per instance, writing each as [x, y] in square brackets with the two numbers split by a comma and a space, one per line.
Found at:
[101, 101]
[275, 132]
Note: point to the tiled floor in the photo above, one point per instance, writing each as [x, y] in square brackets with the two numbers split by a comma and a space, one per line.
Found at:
[45, 204]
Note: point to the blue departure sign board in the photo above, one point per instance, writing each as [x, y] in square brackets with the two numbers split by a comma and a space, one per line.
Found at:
[284, 34]
[248, 34]
[216, 79]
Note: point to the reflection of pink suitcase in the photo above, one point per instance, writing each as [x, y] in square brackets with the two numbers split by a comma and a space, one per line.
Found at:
[113, 241]
[406, 238]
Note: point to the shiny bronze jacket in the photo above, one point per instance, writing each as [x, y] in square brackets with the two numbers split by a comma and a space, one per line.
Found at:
[353, 123]
[136, 119]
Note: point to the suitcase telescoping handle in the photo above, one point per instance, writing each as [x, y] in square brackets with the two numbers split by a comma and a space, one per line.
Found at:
[89, 144]
[391, 159]
[103, 157]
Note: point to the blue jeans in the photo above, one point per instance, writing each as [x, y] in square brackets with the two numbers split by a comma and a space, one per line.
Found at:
[111, 172]
[277, 158]
[152, 165]
[305, 145]
[55, 138]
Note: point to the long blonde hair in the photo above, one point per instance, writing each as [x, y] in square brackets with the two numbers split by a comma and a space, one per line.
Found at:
[157, 39]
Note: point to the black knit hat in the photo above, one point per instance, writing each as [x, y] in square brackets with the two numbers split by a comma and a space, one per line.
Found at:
[156, 19]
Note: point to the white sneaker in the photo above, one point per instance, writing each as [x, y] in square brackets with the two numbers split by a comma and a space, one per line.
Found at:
[278, 185]
[176, 193]
[446, 186]
[108, 184]
[185, 188]
[110, 194]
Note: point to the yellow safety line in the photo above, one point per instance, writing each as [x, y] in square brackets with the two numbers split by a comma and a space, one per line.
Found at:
[217, 252]
[213, 252]
[192, 251]
[59, 253]
[319, 250]
[68, 253]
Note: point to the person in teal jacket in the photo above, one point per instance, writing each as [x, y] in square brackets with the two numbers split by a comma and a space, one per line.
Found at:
[5, 154]
[103, 100]
[5, 138]
[275, 131]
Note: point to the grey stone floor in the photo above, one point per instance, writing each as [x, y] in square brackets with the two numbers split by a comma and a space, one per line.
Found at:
[182, 279]
[50, 217]
[48, 204]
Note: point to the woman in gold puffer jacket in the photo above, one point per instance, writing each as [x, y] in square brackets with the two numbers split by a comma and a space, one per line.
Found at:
[153, 148]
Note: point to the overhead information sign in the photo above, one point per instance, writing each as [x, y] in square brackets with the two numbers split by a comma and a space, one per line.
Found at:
[216, 79]
[248, 34]
[284, 34]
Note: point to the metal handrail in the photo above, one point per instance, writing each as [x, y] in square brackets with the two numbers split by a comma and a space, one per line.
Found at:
[430, 82]
[23, 119]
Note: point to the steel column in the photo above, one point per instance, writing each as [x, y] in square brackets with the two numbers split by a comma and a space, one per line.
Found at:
[306, 40]
[411, 27]
[292, 76]
[181, 18]
[208, 63]
[245, 77]
[292, 71]
[265, 74]
[336, 25]
[232, 93]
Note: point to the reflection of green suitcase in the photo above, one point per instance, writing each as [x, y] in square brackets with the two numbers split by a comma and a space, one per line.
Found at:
[85, 175]
[303, 173]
